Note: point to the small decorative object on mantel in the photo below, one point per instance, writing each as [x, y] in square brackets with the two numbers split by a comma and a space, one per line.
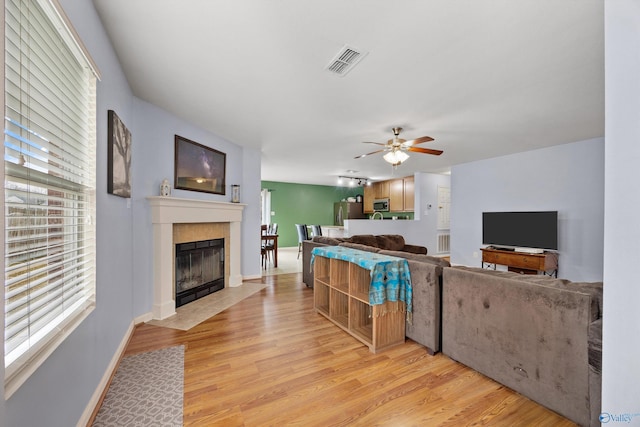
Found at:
[165, 188]
[235, 193]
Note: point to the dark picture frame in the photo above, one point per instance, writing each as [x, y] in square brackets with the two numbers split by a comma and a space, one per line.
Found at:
[198, 167]
[118, 157]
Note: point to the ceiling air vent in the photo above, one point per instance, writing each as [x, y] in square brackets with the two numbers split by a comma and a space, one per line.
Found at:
[345, 60]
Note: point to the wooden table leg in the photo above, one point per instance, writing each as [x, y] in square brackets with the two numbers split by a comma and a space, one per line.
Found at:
[275, 251]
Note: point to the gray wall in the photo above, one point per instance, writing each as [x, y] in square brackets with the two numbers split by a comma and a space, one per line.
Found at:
[59, 391]
[568, 178]
[153, 158]
[621, 346]
[427, 194]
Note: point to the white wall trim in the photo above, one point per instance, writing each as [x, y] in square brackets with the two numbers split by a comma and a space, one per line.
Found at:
[104, 382]
[143, 318]
[252, 277]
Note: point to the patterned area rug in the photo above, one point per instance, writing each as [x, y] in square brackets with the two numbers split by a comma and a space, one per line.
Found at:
[147, 390]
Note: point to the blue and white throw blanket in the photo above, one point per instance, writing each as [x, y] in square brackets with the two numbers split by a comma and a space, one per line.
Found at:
[390, 277]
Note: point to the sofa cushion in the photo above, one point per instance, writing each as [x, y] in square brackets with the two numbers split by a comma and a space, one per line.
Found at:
[418, 257]
[391, 242]
[326, 240]
[593, 289]
[359, 246]
[415, 249]
[365, 239]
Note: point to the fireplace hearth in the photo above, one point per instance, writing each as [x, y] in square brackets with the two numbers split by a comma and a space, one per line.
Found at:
[199, 269]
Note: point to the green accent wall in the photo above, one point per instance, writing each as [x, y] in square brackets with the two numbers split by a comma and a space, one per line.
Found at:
[303, 204]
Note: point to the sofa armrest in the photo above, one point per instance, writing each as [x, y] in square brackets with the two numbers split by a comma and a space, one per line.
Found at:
[595, 370]
[307, 274]
[424, 326]
[528, 333]
[415, 249]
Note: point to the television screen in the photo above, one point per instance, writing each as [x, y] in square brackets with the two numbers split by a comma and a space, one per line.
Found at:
[521, 229]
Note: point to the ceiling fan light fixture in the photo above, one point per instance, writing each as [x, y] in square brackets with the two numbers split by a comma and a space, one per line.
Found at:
[395, 157]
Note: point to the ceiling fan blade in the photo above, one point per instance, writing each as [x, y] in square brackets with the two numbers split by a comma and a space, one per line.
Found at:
[417, 141]
[425, 150]
[369, 142]
[368, 154]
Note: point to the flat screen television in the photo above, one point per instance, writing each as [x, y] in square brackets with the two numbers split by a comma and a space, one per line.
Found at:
[536, 230]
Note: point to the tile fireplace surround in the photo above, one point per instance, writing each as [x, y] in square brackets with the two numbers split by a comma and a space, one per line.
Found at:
[169, 211]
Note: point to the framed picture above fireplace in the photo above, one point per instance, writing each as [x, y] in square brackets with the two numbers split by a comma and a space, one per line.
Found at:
[198, 167]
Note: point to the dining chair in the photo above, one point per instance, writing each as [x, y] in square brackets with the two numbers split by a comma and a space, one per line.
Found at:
[316, 230]
[273, 228]
[302, 236]
[263, 249]
[268, 245]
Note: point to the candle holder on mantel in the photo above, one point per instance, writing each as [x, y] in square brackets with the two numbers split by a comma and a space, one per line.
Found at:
[165, 188]
[235, 194]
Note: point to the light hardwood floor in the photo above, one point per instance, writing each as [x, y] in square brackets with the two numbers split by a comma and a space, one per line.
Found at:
[271, 360]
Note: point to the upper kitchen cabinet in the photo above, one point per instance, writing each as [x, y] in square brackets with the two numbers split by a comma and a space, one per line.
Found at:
[396, 195]
[401, 194]
[367, 205]
[381, 190]
[409, 193]
[377, 190]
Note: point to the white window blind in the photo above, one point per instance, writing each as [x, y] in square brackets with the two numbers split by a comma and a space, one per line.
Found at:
[49, 186]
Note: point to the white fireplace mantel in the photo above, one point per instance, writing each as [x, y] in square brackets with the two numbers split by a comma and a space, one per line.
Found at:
[166, 211]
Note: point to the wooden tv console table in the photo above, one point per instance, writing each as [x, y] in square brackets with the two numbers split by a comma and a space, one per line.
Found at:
[521, 262]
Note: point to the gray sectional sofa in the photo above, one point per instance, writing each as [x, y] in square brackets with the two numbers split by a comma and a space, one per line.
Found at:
[538, 335]
[366, 242]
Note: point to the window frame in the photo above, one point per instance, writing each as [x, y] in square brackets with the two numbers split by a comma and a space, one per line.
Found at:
[16, 373]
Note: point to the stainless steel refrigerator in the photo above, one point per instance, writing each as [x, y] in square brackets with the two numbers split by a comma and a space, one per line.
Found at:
[346, 210]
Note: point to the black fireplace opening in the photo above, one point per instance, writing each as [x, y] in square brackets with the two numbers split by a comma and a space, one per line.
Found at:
[199, 269]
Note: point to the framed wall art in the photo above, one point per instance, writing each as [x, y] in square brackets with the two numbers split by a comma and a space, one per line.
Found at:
[198, 167]
[118, 157]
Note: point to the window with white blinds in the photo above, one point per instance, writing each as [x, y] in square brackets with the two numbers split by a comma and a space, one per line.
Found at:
[49, 185]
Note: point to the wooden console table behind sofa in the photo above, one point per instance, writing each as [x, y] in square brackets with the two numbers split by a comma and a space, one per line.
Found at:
[344, 293]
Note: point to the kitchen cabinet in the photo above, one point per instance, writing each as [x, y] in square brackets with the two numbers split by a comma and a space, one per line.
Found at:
[381, 190]
[367, 205]
[409, 194]
[396, 195]
[400, 193]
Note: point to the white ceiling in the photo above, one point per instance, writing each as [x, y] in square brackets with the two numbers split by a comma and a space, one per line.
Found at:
[484, 78]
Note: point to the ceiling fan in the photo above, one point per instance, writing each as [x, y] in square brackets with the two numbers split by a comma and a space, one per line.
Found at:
[397, 147]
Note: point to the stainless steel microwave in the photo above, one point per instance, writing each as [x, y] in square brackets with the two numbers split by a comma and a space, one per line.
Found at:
[381, 205]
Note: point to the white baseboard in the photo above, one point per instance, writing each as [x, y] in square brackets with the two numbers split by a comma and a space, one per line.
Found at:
[252, 277]
[143, 318]
[95, 398]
